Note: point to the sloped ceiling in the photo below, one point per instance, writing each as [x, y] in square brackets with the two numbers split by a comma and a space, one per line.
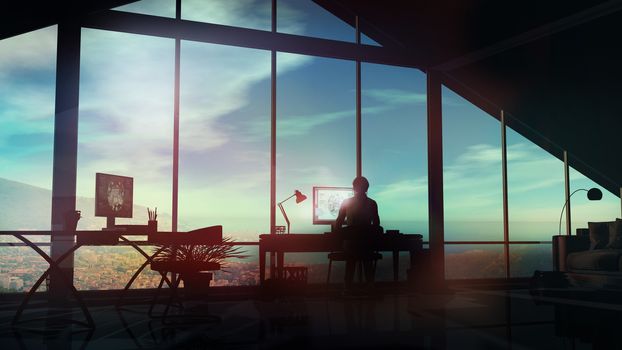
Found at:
[554, 67]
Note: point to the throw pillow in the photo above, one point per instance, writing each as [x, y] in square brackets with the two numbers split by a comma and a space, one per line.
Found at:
[615, 234]
[599, 234]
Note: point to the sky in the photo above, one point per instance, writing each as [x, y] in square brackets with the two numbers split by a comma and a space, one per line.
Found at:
[126, 128]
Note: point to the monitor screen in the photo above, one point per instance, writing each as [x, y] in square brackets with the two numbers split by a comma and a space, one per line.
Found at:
[113, 195]
[326, 203]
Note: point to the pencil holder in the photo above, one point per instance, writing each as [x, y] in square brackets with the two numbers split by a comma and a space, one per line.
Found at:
[152, 225]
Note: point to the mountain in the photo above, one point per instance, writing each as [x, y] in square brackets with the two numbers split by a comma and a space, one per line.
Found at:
[23, 206]
[27, 207]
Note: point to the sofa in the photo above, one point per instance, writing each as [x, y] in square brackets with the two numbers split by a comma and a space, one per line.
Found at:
[592, 257]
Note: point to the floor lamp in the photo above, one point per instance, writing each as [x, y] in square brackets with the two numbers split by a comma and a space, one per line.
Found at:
[299, 198]
[593, 194]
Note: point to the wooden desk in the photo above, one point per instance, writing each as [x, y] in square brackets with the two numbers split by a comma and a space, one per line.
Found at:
[308, 243]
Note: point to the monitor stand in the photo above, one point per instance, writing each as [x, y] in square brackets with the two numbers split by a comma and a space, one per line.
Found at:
[110, 224]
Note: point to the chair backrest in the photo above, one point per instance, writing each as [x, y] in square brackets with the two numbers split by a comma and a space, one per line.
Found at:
[207, 235]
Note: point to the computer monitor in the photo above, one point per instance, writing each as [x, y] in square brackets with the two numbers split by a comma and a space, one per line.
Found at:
[113, 195]
[326, 203]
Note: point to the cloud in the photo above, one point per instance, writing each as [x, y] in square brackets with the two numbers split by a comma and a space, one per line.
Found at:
[254, 14]
[302, 124]
[395, 97]
[403, 188]
[479, 155]
[27, 65]
[30, 51]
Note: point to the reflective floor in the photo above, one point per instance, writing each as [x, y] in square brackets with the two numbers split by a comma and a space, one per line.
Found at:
[460, 319]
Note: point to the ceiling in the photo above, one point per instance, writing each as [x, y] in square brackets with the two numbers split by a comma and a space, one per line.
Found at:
[24, 16]
[553, 66]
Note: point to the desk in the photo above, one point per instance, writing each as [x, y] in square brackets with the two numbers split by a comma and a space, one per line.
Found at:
[310, 243]
[103, 238]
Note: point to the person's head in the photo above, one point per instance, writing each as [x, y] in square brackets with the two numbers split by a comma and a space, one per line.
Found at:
[360, 185]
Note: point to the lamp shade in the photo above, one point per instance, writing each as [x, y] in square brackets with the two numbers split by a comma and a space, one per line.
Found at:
[301, 197]
[594, 194]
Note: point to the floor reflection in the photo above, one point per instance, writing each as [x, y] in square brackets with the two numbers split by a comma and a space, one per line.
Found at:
[463, 319]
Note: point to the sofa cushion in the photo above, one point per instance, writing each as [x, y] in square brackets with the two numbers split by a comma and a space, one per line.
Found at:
[599, 259]
[599, 234]
[615, 234]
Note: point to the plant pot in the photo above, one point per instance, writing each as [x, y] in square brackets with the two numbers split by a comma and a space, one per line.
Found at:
[196, 283]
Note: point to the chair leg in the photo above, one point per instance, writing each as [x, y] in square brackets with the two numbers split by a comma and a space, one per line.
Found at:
[330, 264]
[360, 265]
[171, 299]
[155, 297]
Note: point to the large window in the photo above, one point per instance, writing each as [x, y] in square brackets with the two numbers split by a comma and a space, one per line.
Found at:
[224, 168]
[535, 190]
[27, 72]
[394, 145]
[315, 131]
[472, 172]
[27, 91]
[126, 121]
[535, 198]
[126, 128]
[472, 183]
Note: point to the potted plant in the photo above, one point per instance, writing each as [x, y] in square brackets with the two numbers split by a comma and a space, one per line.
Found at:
[193, 261]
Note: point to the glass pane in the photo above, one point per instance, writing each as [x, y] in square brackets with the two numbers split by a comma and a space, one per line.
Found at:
[126, 121]
[365, 40]
[240, 272]
[224, 167]
[253, 14]
[111, 268]
[394, 145]
[526, 258]
[21, 267]
[474, 261]
[304, 17]
[584, 210]
[315, 132]
[27, 93]
[535, 190]
[162, 8]
[472, 171]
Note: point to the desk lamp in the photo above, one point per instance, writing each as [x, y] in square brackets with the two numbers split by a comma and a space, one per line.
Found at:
[593, 194]
[299, 198]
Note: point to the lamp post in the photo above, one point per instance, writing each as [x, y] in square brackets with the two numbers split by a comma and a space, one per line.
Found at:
[299, 198]
[593, 194]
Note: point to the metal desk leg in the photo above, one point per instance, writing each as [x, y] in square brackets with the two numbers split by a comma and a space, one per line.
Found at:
[272, 265]
[53, 265]
[262, 265]
[280, 265]
[396, 265]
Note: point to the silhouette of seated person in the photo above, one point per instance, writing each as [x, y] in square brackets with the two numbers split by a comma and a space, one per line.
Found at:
[360, 213]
